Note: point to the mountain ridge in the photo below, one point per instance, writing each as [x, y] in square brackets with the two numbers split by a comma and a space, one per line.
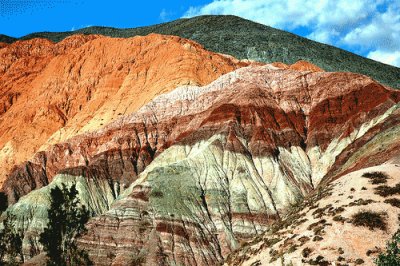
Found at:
[245, 39]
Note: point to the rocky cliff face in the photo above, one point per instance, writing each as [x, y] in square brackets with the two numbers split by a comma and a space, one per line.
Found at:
[84, 82]
[260, 140]
[183, 155]
[195, 172]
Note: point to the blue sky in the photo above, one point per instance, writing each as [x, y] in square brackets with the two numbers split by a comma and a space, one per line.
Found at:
[367, 27]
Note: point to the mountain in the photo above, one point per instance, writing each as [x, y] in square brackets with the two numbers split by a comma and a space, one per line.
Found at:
[196, 172]
[185, 156]
[245, 39]
[86, 81]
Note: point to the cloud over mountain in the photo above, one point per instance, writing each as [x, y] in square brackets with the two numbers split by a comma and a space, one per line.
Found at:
[370, 28]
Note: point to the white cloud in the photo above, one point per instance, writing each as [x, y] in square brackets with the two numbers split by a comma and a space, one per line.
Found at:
[390, 58]
[383, 29]
[80, 27]
[359, 25]
[164, 15]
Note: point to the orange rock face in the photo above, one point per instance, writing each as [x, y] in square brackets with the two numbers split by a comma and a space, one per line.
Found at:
[50, 92]
[299, 66]
[305, 66]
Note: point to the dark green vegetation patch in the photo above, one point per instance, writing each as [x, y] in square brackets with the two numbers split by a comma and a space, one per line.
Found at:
[385, 191]
[376, 177]
[372, 220]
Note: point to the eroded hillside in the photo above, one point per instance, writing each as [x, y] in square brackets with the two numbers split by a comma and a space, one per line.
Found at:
[195, 172]
[50, 92]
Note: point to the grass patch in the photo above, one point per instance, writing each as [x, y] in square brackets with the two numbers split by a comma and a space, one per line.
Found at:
[370, 219]
[376, 177]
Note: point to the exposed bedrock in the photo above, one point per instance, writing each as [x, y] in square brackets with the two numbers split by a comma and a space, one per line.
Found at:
[50, 92]
[197, 170]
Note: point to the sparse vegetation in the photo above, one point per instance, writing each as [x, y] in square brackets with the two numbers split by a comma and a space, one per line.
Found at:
[317, 238]
[361, 202]
[3, 202]
[306, 252]
[139, 259]
[359, 261]
[376, 177]
[304, 239]
[339, 218]
[372, 220]
[319, 260]
[393, 201]
[385, 191]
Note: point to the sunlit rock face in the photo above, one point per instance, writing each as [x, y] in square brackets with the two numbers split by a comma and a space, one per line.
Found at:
[50, 92]
[196, 171]
[241, 151]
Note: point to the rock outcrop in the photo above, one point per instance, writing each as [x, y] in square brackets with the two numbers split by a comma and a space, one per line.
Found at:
[51, 92]
[196, 171]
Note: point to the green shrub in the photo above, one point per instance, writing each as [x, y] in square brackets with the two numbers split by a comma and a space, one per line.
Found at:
[394, 202]
[392, 254]
[385, 191]
[156, 193]
[376, 177]
[369, 219]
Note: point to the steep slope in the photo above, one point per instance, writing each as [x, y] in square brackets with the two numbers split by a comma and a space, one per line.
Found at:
[55, 91]
[245, 39]
[208, 167]
[324, 229]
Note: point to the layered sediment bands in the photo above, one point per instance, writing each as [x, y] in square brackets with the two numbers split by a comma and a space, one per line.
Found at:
[208, 167]
[84, 82]
[30, 211]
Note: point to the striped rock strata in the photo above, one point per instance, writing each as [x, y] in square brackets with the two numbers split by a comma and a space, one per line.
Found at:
[200, 169]
[51, 92]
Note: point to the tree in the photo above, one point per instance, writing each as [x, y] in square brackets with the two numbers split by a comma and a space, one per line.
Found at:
[67, 219]
[3, 202]
[392, 254]
[10, 242]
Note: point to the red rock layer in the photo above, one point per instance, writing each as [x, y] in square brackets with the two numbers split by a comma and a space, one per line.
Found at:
[298, 111]
[78, 85]
[301, 109]
[265, 108]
